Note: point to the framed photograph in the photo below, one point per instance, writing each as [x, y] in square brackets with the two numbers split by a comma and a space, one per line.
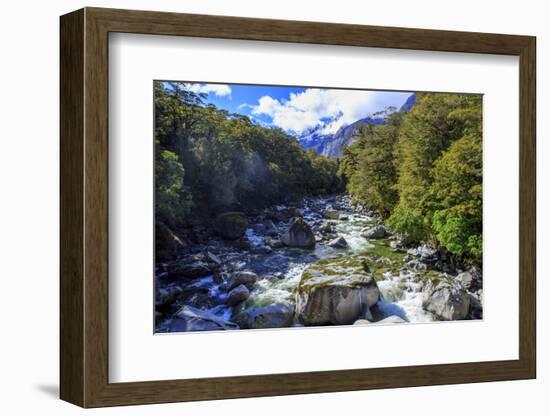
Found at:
[255, 207]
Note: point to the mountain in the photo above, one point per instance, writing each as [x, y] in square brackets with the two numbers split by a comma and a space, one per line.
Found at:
[331, 144]
[409, 104]
[346, 135]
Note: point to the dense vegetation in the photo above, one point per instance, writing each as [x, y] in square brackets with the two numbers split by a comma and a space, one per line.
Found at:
[422, 172]
[208, 161]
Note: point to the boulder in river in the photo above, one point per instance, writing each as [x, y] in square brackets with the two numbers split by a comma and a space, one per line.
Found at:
[237, 295]
[242, 278]
[231, 225]
[338, 242]
[190, 270]
[331, 214]
[374, 233]
[275, 315]
[193, 319]
[447, 301]
[336, 291]
[299, 235]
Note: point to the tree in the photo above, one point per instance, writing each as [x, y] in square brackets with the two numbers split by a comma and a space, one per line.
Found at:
[372, 173]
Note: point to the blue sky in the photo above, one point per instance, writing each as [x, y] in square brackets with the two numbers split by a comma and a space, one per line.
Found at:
[295, 109]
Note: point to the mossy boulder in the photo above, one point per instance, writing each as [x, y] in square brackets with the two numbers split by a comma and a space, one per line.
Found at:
[231, 225]
[336, 292]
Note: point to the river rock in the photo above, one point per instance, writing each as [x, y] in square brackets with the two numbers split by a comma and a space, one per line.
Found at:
[476, 308]
[165, 296]
[326, 228]
[189, 318]
[338, 242]
[270, 228]
[362, 322]
[336, 291]
[190, 270]
[231, 225]
[273, 243]
[167, 243]
[237, 295]
[470, 280]
[447, 301]
[245, 278]
[374, 233]
[392, 319]
[211, 257]
[331, 214]
[283, 214]
[276, 315]
[299, 234]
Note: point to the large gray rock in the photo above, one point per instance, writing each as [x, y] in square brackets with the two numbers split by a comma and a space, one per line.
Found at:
[192, 319]
[338, 242]
[245, 278]
[376, 232]
[237, 295]
[276, 315]
[336, 291]
[299, 235]
[231, 225]
[447, 301]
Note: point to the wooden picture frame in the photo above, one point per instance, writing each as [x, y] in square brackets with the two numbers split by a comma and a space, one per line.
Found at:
[84, 207]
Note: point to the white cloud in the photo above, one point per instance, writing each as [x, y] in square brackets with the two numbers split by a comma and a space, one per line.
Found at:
[218, 89]
[307, 109]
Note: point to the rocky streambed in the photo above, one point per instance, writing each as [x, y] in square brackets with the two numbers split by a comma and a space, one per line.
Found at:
[319, 262]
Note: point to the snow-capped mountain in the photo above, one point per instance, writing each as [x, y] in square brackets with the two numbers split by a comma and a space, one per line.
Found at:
[331, 144]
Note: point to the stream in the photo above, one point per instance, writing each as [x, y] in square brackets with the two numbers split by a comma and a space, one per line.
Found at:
[279, 268]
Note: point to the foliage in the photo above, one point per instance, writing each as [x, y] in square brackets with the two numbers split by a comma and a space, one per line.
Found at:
[230, 163]
[172, 200]
[409, 223]
[371, 178]
[423, 171]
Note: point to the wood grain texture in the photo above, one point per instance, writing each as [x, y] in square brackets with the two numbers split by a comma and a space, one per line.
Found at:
[71, 100]
[84, 207]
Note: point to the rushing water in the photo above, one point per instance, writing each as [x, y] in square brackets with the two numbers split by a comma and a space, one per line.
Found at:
[280, 271]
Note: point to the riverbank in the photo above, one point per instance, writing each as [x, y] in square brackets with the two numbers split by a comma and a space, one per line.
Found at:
[320, 262]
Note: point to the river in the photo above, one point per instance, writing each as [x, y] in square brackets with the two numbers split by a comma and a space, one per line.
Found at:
[279, 269]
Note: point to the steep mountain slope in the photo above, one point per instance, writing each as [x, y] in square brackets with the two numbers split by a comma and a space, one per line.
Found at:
[331, 144]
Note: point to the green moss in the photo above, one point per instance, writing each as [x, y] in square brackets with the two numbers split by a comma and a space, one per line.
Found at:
[346, 271]
[431, 275]
[382, 248]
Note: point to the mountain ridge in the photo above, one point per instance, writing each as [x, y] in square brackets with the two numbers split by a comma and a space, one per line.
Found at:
[331, 144]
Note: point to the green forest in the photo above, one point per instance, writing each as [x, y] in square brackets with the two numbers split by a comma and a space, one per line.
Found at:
[208, 161]
[420, 171]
